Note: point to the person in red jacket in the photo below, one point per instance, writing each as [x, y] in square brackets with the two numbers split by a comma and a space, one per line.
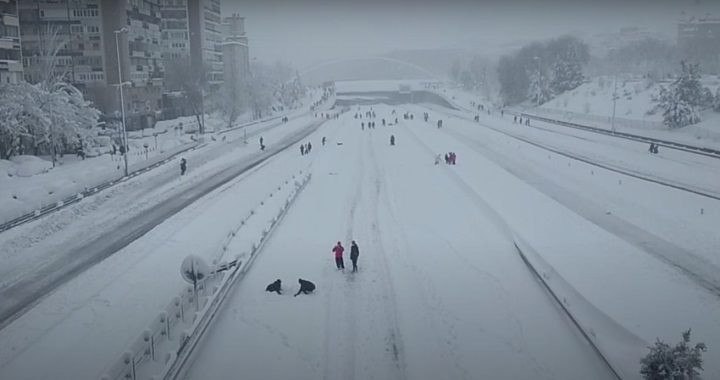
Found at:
[338, 250]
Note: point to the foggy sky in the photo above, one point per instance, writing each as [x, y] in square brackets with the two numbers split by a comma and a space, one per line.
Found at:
[307, 31]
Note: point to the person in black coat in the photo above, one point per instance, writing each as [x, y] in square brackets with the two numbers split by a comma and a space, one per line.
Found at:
[354, 254]
[306, 287]
[276, 287]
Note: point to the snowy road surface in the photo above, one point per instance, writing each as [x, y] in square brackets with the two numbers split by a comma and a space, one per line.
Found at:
[93, 317]
[28, 280]
[440, 292]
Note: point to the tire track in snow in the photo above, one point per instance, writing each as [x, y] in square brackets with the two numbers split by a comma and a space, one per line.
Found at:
[394, 340]
[339, 336]
[428, 296]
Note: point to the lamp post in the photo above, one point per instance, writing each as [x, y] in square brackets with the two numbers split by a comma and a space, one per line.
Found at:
[614, 99]
[122, 99]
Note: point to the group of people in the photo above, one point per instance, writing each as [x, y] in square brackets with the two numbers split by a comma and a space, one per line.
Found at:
[450, 158]
[305, 148]
[328, 115]
[368, 114]
[338, 251]
[519, 120]
[370, 125]
[439, 123]
[306, 287]
[653, 148]
[408, 116]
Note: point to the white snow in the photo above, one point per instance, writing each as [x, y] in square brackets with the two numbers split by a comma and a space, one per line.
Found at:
[441, 290]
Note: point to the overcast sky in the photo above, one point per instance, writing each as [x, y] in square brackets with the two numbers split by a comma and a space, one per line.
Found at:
[307, 31]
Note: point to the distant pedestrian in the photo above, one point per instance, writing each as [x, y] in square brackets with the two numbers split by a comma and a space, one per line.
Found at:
[338, 250]
[302, 149]
[362, 126]
[383, 122]
[323, 140]
[515, 119]
[392, 140]
[354, 254]
[183, 166]
[309, 147]
[527, 121]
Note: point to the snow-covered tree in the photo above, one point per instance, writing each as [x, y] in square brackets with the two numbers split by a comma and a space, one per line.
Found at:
[682, 362]
[567, 74]
[539, 90]
[683, 99]
[42, 118]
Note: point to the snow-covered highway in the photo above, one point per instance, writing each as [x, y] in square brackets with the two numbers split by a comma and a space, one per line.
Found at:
[440, 293]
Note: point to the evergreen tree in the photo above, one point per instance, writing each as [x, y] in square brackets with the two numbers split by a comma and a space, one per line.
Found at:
[682, 101]
[681, 362]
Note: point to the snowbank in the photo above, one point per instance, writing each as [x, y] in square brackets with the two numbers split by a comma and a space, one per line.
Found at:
[28, 166]
[7, 169]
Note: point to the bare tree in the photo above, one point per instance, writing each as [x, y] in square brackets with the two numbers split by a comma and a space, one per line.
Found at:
[181, 76]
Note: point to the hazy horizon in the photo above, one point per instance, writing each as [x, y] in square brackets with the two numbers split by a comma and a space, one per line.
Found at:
[306, 32]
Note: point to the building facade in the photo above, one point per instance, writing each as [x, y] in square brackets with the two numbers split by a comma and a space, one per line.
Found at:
[11, 70]
[699, 40]
[206, 40]
[236, 53]
[76, 40]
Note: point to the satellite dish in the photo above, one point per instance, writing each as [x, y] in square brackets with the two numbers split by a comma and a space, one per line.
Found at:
[194, 269]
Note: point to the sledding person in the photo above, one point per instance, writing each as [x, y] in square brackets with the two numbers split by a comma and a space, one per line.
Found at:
[338, 250]
[276, 287]
[306, 287]
[183, 166]
[354, 253]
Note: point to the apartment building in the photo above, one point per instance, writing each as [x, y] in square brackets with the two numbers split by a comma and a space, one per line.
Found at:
[11, 70]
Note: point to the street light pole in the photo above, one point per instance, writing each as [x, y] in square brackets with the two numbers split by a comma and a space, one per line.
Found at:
[615, 97]
[122, 99]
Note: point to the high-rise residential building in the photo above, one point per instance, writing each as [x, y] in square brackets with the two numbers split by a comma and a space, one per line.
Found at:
[11, 70]
[175, 30]
[66, 33]
[205, 23]
[80, 37]
[236, 52]
[699, 40]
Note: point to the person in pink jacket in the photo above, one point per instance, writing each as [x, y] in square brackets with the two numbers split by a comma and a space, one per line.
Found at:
[338, 250]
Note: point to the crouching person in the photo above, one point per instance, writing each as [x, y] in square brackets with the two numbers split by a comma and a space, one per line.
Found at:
[306, 287]
[275, 287]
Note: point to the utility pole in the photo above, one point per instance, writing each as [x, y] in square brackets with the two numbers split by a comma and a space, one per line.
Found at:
[614, 98]
[122, 99]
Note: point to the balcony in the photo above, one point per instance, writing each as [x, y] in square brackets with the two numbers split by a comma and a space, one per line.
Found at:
[10, 20]
[11, 65]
